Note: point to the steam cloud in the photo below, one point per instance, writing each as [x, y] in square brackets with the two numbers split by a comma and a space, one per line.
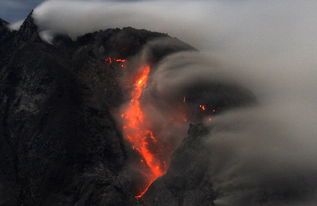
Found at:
[268, 47]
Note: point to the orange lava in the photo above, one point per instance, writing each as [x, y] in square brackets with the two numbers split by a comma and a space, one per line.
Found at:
[139, 135]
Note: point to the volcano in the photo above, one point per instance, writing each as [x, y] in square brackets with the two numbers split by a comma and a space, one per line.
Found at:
[62, 145]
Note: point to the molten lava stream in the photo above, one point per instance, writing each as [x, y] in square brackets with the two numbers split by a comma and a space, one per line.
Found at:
[137, 133]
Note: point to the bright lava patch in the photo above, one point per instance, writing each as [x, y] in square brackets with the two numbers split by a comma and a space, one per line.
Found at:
[139, 135]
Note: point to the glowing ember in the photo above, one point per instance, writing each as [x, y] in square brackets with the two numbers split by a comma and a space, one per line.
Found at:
[122, 62]
[202, 107]
[108, 60]
[137, 133]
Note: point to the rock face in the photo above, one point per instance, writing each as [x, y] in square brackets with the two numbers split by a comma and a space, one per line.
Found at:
[187, 182]
[4, 31]
[59, 143]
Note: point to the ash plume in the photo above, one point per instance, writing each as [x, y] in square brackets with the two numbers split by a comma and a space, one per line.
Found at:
[262, 153]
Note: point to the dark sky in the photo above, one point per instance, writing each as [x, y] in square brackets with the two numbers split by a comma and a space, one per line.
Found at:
[13, 10]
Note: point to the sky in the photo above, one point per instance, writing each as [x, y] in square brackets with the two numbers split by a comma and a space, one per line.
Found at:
[14, 10]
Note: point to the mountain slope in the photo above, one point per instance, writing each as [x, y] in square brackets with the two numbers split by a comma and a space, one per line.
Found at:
[59, 142]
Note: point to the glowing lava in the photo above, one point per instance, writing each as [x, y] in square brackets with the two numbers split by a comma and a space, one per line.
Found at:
[122, 62]
[139, 135]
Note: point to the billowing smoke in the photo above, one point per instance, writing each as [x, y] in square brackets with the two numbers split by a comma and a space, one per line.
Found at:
[264, 151]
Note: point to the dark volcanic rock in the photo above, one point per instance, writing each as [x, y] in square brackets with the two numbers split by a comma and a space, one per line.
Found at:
[187, 182]
[4, 31]
[3, 25]
[29, 30]
[59, 143]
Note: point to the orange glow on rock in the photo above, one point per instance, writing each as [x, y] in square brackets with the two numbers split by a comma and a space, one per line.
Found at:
[139, 135]
[122, 62]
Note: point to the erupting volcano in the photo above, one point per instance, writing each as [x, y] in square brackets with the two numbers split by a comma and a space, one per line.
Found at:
[140, 136]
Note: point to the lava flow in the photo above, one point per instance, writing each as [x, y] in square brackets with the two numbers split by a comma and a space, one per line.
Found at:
[139, 135]
[122, 62]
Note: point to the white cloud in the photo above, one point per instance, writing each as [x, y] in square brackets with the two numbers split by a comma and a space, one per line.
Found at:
[16, 25]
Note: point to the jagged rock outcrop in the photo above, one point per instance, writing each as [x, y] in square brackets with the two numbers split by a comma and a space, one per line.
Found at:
[4, 31]
[3, 25]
